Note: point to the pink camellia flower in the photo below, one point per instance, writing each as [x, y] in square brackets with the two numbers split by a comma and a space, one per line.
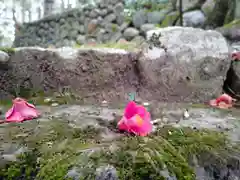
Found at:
[236, 55]
[20, 111]
[224, 101]
[136, 119]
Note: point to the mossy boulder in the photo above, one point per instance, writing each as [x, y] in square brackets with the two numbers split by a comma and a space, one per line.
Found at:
[83, 141]
[7, 50]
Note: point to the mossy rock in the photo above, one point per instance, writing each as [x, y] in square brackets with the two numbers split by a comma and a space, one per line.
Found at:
[128, 46]
[7, 50]
[133, 157]
[170, 19]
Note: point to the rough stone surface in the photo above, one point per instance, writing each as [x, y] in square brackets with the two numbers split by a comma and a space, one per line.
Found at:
[194, 19]
[146, 27]
[130, 33]
[192, 60]
[139, 18]
[192, 70]
[156, 17]
[75, 117]
[71, 26]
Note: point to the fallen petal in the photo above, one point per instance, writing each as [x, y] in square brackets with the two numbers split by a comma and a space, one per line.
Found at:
[20, 111]
[236, 55]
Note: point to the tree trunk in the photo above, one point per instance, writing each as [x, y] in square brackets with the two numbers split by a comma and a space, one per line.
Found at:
[39, 13]
[29, 15]
[62, 5]
[48, 7]
[218, 15]
[180, 13]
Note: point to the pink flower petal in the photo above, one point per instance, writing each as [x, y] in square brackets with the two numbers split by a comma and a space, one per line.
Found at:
[15, 117]
[224, 101]
[21, 110]
[9, 113]
[136, 120]
[130, 110]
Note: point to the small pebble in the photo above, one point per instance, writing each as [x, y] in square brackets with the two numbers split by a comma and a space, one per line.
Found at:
[104, 103]
[146, 104]
[54, 104]
[47, 100]
[186, 114]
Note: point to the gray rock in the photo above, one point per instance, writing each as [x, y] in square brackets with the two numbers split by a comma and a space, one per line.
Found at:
[235, 46]
[100, 35]
[116, 36]
[231, 33]
[139, 18]
[185, 48]
[113, 2]
[91, 41]
[111, 27]
[103, 12]
[94, 13]
[110, 9]
[194, 19]
[81, 19]
[73, 174]
[138, 40]
[81, 29]
[208, 6]
[146, 27]
[63, 34]
[120, 18]
[4, 57]
[110, 18]
[156, 17]
[81, 39]
[68, 42]
[166, 174]
[118, 8]
[100, 20]
[73, 33]
[52, 23]
[106, 173]
[130, 33]
[124, 26]
[86, 13]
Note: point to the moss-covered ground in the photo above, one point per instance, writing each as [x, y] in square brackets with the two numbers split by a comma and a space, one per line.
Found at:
[58, 147]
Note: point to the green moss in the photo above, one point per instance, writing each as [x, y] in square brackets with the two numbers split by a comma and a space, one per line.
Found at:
[51, 152]
[129, 46]
[170, 19]
[128, 19]
[7, 50]
[134, 157]
[39, 97]
[114, 27]
[235, 23]
[140, 157]
[26, 167]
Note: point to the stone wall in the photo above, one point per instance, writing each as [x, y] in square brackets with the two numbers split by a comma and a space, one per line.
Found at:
[102, 23]
[106, 22]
